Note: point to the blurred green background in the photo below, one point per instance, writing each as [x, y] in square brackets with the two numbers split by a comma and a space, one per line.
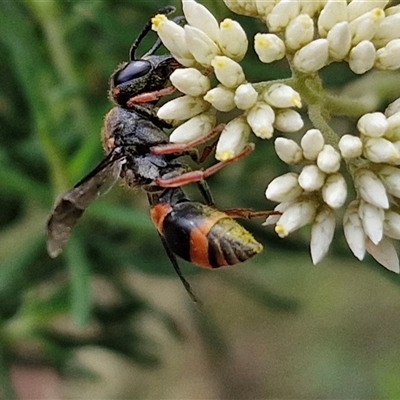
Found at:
[109, 318]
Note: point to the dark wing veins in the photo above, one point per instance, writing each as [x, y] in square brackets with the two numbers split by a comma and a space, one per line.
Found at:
[72, 205]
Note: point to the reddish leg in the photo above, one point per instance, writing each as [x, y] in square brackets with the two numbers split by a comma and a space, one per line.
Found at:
[150, 97]
[248, 213]
[197, 176]
[176, 148]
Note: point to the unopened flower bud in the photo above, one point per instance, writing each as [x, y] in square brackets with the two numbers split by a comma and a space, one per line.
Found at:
[282, 14]
[362, 57]
[357, 8]
[245, 96]
[339, 39]
[371, 189]
[261, 118]
[284, 188]
[393, 108]
[334, 12]
[201, 46]
[221, 98]
[353, 230]
[328, 159]
[312, 57]
[232, 39]
[233, 139]
[288, 151]
[184, 107]
[269, 47]
[194, 128]
[322, 232]
[228, 72]
[288, 120]
[388, 58]
[391, 225]
[388, 30]
[350, 146]
[312, 144]
[380, 150]
[311, 178]
[390, 176]
[282, 96]
[334, 191]
[299, 32]
[365, 26]
[190, 81]
[373, 124]
[372, 221]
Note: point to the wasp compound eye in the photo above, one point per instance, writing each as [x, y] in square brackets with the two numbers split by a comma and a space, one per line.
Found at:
[134, 69]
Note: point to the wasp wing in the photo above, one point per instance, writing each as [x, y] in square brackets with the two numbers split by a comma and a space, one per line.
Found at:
[72, 205]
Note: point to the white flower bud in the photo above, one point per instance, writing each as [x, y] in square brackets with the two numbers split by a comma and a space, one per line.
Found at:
[288, 151]
[288, 120]
[221, 98]
[388, 58]
[334, 191]
[357, 8]
[173, 37]
[311, 178]
[201, 46]
[190, 81]
[312, 144]
[339, 39]
[328, 159]
[353, 230]
[312, 56]
[379, 150]
[390, 176]
[296, 216]
[393, 108]
[284, 188]
[282, 14]
[393, 131]
[334, 12]
[194, 128]
[299, 32]
[245, 96]
[322, 231]
[228, 72]
[269, 47]
[372, 221]
[261, 118]
[370, 188]
[201, 18]
[232, 140]
[265, 7]
[350, 146]
[184, 107]
[389, 29]
[391, 225]
[373, 124]
[232, 39]
[365, 26]
[385, 253]
[392, 10]
[273, 219]
[243, 7]
[362, 57]
[282, 96]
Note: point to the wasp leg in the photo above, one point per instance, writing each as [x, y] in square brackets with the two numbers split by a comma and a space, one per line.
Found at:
[205, 192]
[248, 213]
[197, 176]
[177, 148]
[149, 97]
[175, 264]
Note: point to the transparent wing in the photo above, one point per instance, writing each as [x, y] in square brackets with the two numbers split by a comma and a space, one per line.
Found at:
[72, 205]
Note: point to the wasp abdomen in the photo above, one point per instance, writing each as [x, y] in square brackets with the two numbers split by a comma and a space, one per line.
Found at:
[202, 235]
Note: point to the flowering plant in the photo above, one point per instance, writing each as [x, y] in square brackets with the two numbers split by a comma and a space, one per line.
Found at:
[310, 35]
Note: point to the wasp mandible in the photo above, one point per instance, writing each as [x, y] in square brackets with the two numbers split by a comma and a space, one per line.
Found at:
[138, 153]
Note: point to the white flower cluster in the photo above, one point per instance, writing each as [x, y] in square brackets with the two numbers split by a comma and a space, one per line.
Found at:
[312, 196]
[366, 34]
[206, 45]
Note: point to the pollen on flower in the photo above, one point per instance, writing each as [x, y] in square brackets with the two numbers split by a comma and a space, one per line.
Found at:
[281, 231]
[157, 20]
[225, 155]
[226, 23]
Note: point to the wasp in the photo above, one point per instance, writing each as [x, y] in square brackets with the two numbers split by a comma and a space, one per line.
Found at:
[138, 153]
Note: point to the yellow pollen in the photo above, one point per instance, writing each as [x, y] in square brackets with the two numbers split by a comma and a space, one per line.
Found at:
[281, 231]
[226, 23]
[224, 155]
[296, 101]
[157, 21]
[262, 42]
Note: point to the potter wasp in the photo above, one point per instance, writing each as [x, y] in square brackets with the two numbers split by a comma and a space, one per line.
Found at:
[138, 153]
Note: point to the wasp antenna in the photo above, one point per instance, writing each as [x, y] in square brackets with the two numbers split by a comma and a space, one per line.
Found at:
[178, 271]
[132, 52]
